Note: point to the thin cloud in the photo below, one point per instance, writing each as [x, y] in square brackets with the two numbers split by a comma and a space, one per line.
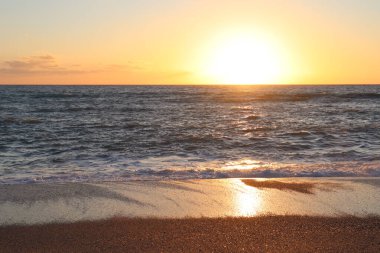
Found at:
[35, 64]
[48, 64]
[31, 63]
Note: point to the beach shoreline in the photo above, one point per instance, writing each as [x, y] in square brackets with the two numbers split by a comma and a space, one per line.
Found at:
[31, 204]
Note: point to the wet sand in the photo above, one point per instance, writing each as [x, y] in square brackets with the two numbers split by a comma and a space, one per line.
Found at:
[274, 184]
[33, 204]
[254, 234]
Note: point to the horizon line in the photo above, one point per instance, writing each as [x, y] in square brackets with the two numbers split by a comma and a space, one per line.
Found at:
[110, 84]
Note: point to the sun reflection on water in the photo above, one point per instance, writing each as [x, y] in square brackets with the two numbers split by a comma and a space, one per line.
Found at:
[245, 164]
[248, 202]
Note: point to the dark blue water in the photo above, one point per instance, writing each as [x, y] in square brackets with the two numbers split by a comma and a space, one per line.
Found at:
[92, 133]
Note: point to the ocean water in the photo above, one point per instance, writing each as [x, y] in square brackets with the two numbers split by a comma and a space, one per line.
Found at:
[121, 133]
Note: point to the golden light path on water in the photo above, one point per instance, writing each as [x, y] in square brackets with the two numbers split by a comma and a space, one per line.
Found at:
[248, 202]
[244, 164]
[245, 200]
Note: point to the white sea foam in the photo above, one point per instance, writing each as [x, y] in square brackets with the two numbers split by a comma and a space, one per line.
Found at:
[174, 168]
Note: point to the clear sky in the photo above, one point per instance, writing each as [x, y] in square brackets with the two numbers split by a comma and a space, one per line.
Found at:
[189, 41]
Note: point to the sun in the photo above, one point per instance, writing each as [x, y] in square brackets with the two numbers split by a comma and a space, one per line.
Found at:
[243, 59]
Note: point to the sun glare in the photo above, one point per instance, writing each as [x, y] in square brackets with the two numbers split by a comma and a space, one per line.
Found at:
[248, 201]
[243, 59]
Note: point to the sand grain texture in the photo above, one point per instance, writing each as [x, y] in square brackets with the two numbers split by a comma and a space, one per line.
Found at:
[258, 234]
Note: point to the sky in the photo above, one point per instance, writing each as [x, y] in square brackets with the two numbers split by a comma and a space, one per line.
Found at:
[189, 42]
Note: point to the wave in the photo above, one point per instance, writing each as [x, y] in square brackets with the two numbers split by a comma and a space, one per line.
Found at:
[246, 170]
[360, 96]
[14, 120]
[258, 129]
[52, 95]
[291, 97]
[298, 97]
[55, 96]
[31, 121]
[9, 120]
[136, 109]
[79, 109]
[299, 133]
[233, 98]
[252, 117]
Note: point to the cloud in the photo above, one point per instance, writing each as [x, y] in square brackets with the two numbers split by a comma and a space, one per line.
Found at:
[32, 63]
[47, 69]
[36, 65]
[48, 64]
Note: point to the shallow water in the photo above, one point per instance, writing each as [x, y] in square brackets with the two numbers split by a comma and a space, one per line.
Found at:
[97, 133]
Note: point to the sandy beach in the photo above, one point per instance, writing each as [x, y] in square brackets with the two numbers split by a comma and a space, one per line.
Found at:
[259, 234]
[224, 215]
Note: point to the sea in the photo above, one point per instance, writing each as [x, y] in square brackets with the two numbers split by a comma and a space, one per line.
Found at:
[54, 134]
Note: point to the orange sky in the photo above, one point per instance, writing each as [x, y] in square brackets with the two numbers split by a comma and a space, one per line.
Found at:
[189, 42]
